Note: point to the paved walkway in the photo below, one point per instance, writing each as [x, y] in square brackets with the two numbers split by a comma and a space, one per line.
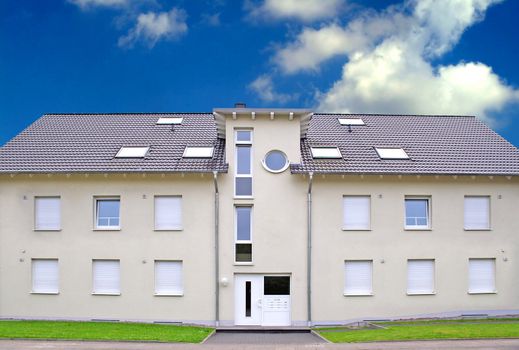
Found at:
[510, 344]
[258, 338]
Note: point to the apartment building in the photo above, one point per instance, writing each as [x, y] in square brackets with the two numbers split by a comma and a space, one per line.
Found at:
[247, 216]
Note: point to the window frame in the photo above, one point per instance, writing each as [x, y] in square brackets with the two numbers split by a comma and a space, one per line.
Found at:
[96, 212]
[427, 227]
[249, 241]
[264, 162]
[344, 228]
[381, 150]
[351, 121]
[489, 213]
[349, 294]
[168, 294]
[338, 155]
[123, 149]
[189, 149]
[494, 267]
[433, 291]
[248, 144]
[178, 228]
[35, 206]
[33, 291]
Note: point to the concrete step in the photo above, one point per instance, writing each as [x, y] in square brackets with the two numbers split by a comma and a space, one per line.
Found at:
[262, 329]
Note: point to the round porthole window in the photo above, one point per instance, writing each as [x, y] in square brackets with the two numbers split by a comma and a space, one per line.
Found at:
[275, 161]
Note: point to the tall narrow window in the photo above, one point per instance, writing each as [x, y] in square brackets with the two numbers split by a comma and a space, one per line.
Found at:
[248, 292]
[482, 276]
[243, 243]
[243, 172]
[417, 213]
[106, 277]
[168, 213]
[420, 276]
[477, 213]
[358, 277]
[168, 278]
[107, 213]
[47, 213]
[356, 214]
[45, 276]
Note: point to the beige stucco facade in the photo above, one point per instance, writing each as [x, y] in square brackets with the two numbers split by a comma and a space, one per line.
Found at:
[279, 235]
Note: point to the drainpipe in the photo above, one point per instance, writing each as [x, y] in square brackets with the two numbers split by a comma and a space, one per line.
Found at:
[309, 247]
[216, 250]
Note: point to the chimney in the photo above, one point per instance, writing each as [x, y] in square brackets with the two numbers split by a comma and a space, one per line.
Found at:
[240, 105]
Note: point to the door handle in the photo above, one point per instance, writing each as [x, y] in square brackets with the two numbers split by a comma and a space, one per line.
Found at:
[260, 302]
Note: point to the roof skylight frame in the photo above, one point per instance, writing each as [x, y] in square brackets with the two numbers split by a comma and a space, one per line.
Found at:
[170, 120]
[392, 153]
[325, 152]
[132, 152]
[198, 152]
[351, 121]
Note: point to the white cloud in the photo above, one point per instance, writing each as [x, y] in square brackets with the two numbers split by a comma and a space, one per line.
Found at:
[389, 64]
[152, 27]
[84, 4]
[304, 10]
[211, 20]
[263, 87]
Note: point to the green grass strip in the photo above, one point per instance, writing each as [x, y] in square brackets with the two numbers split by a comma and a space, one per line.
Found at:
[113, 331]
[425, 332]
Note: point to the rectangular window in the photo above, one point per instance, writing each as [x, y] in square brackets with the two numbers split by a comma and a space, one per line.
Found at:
[276, 285]
[132, 152]
[477, 213]
[243, 172]
[356, 213]
[198, 152]
[420, 276]
[107, 215]
[325, 153]
[482, 276]
[391, 153]
[358, 277]
[417, 213]
[47, 213]
[168, 278]
[168, 212]
[45, 276]
[243, 243]
[106, 277]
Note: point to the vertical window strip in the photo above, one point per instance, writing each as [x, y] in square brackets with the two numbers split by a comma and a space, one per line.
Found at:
[243, 159]
[243, 233]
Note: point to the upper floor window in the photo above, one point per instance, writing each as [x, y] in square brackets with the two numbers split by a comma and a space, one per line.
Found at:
[351, 121]
[477, 213]
[243, 168]
[168, 213]
[107, 214]
[47, 213]
[169, 120]
[417, 213]
[132, 152]
[198, 152]
[326, 153]
[391, 153]
[243, 232]
[356, 213]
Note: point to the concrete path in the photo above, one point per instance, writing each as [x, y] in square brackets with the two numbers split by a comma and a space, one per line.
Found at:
[258, 338]
[510, 344]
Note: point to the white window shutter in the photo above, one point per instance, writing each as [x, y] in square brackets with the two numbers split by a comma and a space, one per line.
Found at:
[482, 277]
[358, 278]
[168, 213]
[477, 213]
[420, 276]
[356, 213]
[168, 278]
[45, 276]
[47, 213]
[106, 276]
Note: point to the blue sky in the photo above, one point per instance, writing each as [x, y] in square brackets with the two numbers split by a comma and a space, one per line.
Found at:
[415, 56]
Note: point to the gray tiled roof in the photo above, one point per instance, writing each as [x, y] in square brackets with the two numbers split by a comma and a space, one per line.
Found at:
[88, 143]
[435, 144]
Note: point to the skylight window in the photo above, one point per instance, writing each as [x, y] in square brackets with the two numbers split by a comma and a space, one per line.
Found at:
[351, 121]
[132, 152]
[326, 152]
[198, 152]
[391, 153]
[169, 120]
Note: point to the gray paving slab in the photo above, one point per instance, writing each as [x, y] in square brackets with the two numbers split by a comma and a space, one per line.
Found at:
[508, 344]
[264, 338]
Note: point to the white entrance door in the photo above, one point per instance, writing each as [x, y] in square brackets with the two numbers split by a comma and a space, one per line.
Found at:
[262, 300]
